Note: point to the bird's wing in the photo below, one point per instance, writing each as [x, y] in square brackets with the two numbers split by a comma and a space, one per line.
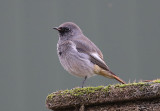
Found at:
[95, 59]
[88, 47]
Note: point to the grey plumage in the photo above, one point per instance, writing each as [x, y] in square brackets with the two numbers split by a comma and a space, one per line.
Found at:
[74, 62]
[78, 55]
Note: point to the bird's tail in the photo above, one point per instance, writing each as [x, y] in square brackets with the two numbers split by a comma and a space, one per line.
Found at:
[107, 74]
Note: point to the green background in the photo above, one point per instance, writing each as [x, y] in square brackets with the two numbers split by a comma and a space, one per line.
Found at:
[127, 32]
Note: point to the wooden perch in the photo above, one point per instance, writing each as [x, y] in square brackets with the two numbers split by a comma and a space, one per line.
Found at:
[129, 97]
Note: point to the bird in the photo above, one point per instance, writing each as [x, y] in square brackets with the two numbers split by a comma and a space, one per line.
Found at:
[79, 55]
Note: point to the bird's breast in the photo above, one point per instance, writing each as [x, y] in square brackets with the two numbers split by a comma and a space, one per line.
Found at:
[76, 63]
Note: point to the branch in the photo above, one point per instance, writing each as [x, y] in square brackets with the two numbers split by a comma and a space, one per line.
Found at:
[142, 95]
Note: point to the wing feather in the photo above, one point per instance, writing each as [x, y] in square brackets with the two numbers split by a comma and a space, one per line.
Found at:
[86, 46]
[83, 43]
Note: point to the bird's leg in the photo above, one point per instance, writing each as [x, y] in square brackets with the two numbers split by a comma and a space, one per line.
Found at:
[84, 81]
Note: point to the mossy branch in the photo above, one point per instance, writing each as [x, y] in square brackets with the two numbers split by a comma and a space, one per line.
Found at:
[94, 96]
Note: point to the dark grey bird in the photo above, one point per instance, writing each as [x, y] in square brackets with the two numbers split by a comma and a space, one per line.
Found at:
[79, 55]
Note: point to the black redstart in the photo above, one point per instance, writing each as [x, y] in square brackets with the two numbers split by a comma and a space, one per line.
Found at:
[79, 55]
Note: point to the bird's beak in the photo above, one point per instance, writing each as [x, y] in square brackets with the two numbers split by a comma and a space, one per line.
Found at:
[57, 28]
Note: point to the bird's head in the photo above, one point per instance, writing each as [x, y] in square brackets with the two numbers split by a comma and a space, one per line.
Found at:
[68, 29]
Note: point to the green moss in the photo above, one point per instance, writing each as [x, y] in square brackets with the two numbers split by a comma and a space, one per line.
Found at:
[157, 81]
[106, 88]
[130, 84]
[65, 92]
[136, 84]
[90, 90]
[82, 91]
[50, 96]
[85, 90]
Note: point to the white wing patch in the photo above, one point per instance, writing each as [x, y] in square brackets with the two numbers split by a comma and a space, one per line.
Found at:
[95, 55]
[73, 45]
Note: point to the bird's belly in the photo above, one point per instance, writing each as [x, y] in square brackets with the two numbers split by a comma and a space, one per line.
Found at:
[77, 66]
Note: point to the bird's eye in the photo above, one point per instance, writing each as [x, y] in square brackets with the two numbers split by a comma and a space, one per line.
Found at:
[66, 29]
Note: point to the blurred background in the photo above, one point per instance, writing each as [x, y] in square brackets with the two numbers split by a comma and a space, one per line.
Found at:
[127, 32]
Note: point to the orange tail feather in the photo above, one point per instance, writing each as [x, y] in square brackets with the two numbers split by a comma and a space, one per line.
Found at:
[107, 74]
